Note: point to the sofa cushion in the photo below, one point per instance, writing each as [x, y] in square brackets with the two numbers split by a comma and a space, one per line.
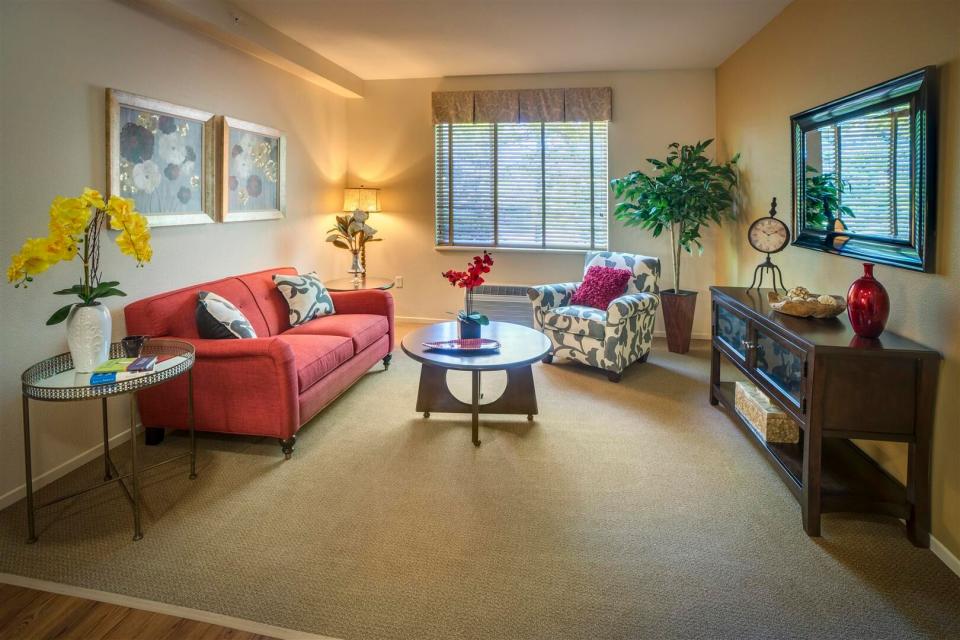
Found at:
[218, 318]
[364, 329]
[315, 356]
[583, 321]
[306, 297]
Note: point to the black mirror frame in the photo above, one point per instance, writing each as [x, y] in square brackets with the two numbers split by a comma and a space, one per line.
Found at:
[919, 252]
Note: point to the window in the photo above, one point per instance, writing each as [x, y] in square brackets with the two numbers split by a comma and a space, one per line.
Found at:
[523, 185]
[872, 154]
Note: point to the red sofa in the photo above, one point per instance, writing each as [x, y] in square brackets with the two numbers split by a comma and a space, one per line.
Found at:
[270, 385]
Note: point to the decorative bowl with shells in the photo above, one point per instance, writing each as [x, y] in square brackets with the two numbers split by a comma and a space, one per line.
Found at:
[803, 304]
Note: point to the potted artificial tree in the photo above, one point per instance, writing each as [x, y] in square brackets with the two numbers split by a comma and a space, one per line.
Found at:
[689, 191]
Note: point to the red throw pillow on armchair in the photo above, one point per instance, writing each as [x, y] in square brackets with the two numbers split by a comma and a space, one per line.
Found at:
[600, 286]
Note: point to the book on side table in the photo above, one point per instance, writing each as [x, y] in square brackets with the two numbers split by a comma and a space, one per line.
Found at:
[120, 369]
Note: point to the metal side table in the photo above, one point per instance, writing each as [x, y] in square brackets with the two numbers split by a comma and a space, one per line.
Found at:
[55, 380]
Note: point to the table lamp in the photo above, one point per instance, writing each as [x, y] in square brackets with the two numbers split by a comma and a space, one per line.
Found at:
[359, 200]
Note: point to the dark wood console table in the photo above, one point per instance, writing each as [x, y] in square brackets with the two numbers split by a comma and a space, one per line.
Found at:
[838, 387]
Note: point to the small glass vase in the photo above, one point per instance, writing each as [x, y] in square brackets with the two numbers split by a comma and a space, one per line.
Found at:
[356, 268]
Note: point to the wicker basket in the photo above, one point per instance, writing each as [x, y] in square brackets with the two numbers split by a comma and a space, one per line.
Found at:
[770, 423]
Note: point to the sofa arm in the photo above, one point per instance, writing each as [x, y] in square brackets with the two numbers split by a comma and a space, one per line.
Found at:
[373, 301]
[239, 386]
[630, 305]
[274, 350]
[548, 296]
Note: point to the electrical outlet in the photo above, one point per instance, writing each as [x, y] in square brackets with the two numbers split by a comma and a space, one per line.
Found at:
[398, 281]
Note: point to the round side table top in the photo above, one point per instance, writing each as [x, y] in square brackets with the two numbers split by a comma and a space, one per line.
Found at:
[519, 346]
[56, 379]
[366, 283]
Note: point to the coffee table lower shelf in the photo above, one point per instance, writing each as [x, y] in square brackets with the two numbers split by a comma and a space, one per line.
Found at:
[851, 480]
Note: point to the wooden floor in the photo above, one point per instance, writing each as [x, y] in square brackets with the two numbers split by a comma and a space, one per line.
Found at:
[29, 614]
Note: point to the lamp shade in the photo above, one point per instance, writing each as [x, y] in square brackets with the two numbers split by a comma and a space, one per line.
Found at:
[362, 198]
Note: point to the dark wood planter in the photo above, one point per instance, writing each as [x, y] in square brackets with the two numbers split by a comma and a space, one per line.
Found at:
[678, 318]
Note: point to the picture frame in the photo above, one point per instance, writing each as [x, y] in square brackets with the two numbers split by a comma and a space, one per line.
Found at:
[253, 166]
[163, 157]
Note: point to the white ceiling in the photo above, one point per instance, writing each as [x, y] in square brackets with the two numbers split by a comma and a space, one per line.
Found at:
[379, 39]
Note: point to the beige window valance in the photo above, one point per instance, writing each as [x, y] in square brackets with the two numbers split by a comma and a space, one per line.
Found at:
[586, 104]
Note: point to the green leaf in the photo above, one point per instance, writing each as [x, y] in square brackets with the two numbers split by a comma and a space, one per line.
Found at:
[75, 290]
[341, 244]
[106, 293]
[61, 314]
[98, 292]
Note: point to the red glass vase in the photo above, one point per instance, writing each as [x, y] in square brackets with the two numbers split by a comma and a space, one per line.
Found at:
[868, 305]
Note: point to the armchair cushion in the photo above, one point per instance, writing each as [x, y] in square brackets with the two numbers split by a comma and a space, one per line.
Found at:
[631, 304]
[601, 285]
[576, 319]
[645, 269]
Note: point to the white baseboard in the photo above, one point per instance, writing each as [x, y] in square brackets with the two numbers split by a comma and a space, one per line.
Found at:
[697, 335]
[946, 556]
[248, 626]
[45, 478]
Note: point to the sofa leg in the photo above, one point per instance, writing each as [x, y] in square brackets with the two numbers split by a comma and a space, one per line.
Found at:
[287, 446]
[644, 357]
[153, 436]
[547, 359]
[386, 361]
[613, 376]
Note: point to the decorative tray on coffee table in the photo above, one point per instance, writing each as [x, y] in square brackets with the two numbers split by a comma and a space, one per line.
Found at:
[464, 345]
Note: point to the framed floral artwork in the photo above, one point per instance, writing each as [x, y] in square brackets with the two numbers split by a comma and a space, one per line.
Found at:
[252, 171]
[162, 156]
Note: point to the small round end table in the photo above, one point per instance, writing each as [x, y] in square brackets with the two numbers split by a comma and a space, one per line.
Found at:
[362, 284]
[55, 380]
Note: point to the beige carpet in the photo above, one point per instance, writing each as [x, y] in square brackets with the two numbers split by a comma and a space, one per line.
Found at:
[625, 511]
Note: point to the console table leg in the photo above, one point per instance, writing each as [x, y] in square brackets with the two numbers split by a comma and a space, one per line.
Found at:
[714, 374]
[28, 466]
[810, 494]
[135, 472]
[106, 440]
[475, 388]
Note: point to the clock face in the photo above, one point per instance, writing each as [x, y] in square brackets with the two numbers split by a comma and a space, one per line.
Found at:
[768, 235]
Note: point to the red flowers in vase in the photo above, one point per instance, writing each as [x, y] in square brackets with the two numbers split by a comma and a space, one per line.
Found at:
[470, 280]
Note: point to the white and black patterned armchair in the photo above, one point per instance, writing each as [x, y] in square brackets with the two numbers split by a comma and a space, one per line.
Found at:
[610, 339]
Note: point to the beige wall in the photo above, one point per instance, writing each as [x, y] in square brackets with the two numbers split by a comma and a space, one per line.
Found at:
[817, 50]
[391, 146]
[56, 58]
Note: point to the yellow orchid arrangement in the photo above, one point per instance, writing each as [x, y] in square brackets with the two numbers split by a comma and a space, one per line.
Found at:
[74, 231]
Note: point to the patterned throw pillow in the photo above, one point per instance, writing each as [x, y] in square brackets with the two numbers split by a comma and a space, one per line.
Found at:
[306, 297]
[218, 318]
[600, 286]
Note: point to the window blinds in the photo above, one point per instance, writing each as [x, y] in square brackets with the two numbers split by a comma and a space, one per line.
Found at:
[521, 184]
[872, 154]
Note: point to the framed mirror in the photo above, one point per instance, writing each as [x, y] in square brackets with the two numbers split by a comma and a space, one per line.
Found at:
[864, 174]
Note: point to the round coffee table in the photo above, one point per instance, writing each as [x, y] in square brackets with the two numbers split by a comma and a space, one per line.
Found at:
[519, 348]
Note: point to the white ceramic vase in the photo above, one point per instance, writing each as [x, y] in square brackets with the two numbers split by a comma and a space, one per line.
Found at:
[88, 335]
